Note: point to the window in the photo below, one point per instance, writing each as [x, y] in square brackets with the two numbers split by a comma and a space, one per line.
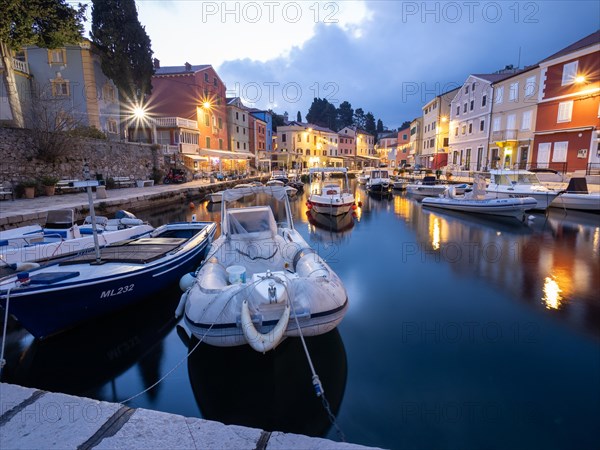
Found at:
[244, 146]
[464, 129]
[220, 144]
[237, 129]
[108, 92]
[207, 142]
[500, 94]
[560, 152]
[467, 89]
[511, 122]
[243, 131]
[237, 144]
[465, 107]
[456, 131]
[220, 123]
[457, 111]
[470, 127]
[543, 155]
[206, 119]
[482, 125]
[60, 88]
[569, 73]
[283, 137]
[237, 115]
[299, 138]
[513, 93]
[57, 56]
[215, 81]
[243, 117]
[206, 77]
[529, 86]
[471, 105]
[526, 120]
[483, 100]
[565, 111]
[111, 126]
[496, 124]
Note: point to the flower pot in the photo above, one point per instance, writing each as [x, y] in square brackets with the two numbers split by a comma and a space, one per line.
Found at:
[29, 191]
[49, 190]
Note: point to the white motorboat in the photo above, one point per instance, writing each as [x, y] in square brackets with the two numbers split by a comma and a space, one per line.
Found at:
[62, 236]
[362, 178]
[479, 203]
[330, 197]
[429, 187]
[520, 183]
[577, 197]
[215, 197]
[291, 191]
[399, 184]
[379, 180]
[261, 281]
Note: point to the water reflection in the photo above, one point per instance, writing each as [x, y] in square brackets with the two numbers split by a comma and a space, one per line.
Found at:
[83, 361]
[325, 228]
[550, 262]
[272, 391]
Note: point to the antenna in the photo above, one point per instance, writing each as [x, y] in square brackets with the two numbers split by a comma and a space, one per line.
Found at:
[519, 61]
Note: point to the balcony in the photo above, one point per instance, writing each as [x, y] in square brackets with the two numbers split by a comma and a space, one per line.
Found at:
[175, 122]
[504, 135]
[18, 65]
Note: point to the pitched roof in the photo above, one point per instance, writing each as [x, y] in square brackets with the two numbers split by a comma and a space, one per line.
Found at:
[587, 41]
[495, 77]
[176, 70]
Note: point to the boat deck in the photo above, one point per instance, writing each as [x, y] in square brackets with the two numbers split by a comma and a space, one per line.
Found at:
[140, 251]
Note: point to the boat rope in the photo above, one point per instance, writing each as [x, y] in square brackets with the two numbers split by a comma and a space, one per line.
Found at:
[2, 360]
[187, 355]
[315, 378]
[267, 258]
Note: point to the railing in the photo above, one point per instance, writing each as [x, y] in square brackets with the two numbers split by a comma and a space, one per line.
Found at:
[180, 122]
[21, 66]
[504, 135]
[560, 167]
[593, 169]
[170, 149]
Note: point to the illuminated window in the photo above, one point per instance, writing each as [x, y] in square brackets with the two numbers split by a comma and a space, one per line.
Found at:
[569, 73]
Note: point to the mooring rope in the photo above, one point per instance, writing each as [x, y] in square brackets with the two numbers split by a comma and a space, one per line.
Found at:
[2, 360]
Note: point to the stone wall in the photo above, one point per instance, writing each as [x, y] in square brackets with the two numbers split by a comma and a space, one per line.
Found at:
[108, 158]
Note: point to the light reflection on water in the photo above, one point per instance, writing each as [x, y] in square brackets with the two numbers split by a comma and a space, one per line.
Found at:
[462, 331]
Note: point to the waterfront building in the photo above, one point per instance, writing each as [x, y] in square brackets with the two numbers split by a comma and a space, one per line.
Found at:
[305, 145]
[568, 113]
[61, 89]
[513, 119]
[415, 141]
[258, 136]
[364, 143]
[436, 123]
[470, 115]
[347, 150]
[403, 149]
[386, 148]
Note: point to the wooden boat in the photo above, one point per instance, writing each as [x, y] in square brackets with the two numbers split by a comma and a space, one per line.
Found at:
[261, 281]
[64, 294]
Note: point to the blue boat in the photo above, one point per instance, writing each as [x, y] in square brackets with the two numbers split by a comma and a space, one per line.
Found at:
[73, 290]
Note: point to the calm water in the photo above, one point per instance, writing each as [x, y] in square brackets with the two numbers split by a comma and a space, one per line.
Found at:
[462, 333]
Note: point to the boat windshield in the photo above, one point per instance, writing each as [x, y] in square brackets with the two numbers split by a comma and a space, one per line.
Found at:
[528, 178]
[509, 179]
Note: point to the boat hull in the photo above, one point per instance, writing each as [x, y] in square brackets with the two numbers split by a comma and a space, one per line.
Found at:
[543, 199]
[580, 202]
[45, 310]
[506, 207]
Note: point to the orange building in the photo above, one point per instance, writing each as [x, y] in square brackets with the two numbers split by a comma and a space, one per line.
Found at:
[566, 135]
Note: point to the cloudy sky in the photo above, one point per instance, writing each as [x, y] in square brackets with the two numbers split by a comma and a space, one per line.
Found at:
[388, 57]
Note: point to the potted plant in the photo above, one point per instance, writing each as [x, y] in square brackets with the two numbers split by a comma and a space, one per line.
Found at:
[49, 183]
[29, 188]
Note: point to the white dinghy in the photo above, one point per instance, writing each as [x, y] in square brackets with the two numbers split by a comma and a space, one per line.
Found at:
[261, 281]
[478, 202]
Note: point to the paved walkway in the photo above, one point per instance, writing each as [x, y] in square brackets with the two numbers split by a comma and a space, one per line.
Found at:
[31, 418]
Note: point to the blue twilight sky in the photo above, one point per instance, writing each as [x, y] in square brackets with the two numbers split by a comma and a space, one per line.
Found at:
[387, 57]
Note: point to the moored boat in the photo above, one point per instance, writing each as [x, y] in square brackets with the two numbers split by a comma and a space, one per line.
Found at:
[261, 281]
[477, 202]
[330, 197]
[66, 293]
[577, 197]
[379, 180]
[520, 183]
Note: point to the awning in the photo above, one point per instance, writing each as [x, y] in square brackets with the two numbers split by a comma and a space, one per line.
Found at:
[336, 159]
[368, 157]
[225, 154]
[196, 157]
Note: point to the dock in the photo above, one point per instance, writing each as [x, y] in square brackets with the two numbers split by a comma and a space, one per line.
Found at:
[31, 418]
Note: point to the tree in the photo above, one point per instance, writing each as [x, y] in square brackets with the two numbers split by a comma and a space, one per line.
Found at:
[322, 113]
[370, 124]
[44, 23]
[404, 125]
[277, 120]
[124, 47]
[359, 118]
[345, 115]
[299, 117]
[379, 126]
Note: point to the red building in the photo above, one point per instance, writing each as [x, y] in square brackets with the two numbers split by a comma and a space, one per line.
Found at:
[258, 137]
[568, 115]
[403, 147]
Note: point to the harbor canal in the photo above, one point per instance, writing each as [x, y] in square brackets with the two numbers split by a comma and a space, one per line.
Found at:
[462, 332]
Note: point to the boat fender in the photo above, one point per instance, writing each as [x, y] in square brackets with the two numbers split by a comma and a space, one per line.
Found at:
[307, 263]
[300, 254]
[263, 342]
[181, 305]
[187, 281]
[451, 192]
[24, 266]
[131, 222]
